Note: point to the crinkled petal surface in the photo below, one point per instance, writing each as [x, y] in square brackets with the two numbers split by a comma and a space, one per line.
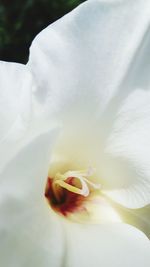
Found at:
[89, 64]
[79, 65]
[129, 143]
[83, 57]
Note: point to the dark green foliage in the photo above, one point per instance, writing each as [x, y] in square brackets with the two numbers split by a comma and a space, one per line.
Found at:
[21, 20]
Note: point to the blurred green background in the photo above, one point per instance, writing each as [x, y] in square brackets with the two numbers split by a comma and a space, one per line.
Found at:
[21, 20]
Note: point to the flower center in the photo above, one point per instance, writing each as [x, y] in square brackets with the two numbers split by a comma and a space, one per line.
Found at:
[67, 193]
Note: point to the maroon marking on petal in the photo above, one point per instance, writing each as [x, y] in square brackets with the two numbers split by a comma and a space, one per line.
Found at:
[69, 201]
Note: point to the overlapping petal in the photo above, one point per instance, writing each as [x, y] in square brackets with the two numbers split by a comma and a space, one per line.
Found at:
[106, 245]
[15, 107]
[29, 233]
[81, 66]
[85, 66]
[81, 59]
[35, 236]
[15, 98]
[129, 143]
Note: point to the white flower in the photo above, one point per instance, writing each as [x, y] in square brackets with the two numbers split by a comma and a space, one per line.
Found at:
[79, 114]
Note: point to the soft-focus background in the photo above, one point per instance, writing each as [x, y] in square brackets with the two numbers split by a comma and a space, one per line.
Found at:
[21, 20]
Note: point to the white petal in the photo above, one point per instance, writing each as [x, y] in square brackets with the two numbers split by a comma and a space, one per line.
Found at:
[118, 153]
[129, 147]
[106, 245]
[30, 234]
[15, 108]
[15, 99]
[79, 61]
[139, 218]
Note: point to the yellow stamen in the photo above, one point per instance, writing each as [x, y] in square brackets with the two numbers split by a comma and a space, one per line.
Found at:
[81, 176]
